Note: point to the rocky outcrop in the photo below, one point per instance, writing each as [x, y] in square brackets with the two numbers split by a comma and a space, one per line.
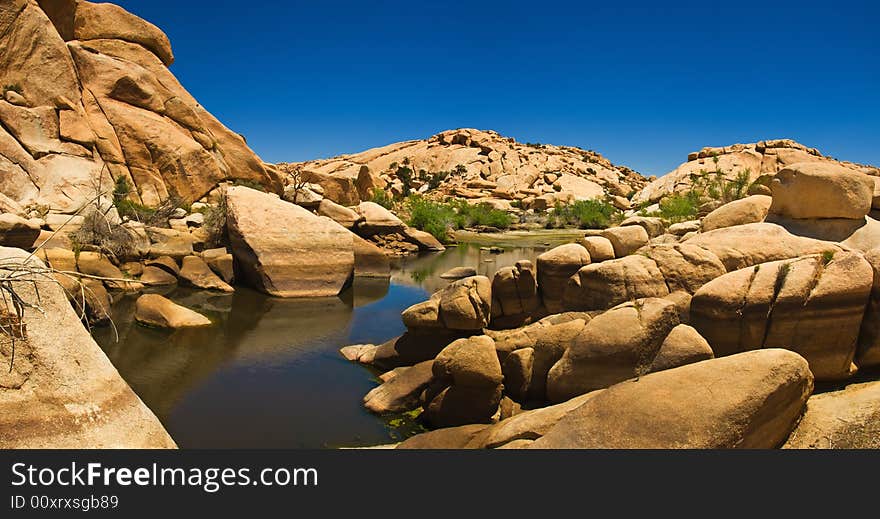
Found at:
[94, 101]
[61, 391]
[821, 190]
[474, 164]
[402, 392]
[619, 344]
[195, 272]
[750, 400]
[467, 383]
[464, 305]
[554, 268]
[868, 353]
[514, 293]
[747, 210]
[812, 305]
[283, 249]
[626, 239]
[756, 159]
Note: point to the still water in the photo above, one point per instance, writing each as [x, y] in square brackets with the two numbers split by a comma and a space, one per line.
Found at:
[268, 373]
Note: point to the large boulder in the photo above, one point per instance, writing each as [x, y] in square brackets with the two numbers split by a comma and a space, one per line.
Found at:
[821, 190]
[750, 400]
[348, 218]
[425, 241]
[467, 383]
[94, 102]
[844, 419]
[750, 244]
[402, 392]
[283, 249]
[626, 240]
[61, 391]
[195, 272]
[600, 248]
[157, 311]
[369, 260]
[653, 225]
[812, 305]
[554, 268]
[747, 210]
[377, 220]
[683, 345]
[515, 292]
[684, 266]
[616, 345]
[464, 305]
[599, 286]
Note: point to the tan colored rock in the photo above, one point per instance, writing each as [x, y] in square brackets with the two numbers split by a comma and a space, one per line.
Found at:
[860, 234]
[683, 345]
[62, 391]
[459, 273]
[868, 353]
[616, 345]
[811, 305]
[169, 242]
[97, 301]
[369, 260]
[95, 21]
[821, 190]
[96, 264]
[155, 310]
[466, 304]
[424, 240]
[401, 393]
[750, 400]
[344, 216]
[844, 419]
[747, 210]
[653, 226]
[684, 266]
[195, 272]
[515, 290]
[283, 249]
[221, 262]
[467, 385]
[602, 285]
[17, 232]
[626, 240]
[377, 220]
[600, 248]
[750, 244]
[155, 276]
[555, 267]
[682, 228]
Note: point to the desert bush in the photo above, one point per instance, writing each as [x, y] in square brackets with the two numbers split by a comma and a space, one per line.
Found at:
[585, 214]
[215, 224]
[106, 236]
[440, 218]
[380, 196]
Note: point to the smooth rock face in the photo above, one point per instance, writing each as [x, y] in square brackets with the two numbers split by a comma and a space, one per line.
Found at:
[466, 304]
[683, 345]
[425, 241]
[600, 248]
[616, 345]
[283, 249]
[377, 220]
[821, 190]
[459, 273]
[195, 272]
[602, 285]
[369, 260]
[63, 392]
[626, 240]
[554, 268]
[348, 218]
[750, 244]
[401, 393]
[221, 262]
[749, 400]
[467, 386]
[653, 226]
[684, 266]
[155, 310]
[98, 103]
[812, 305]
[845, 419]
[747, 210]
[155, 276]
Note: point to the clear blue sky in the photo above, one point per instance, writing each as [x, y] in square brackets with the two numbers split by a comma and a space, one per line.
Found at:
[642, 85]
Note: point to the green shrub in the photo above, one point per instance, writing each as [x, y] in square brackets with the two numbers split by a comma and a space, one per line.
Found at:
[439, 218]
[247, 182]
[585, 214]
[379, 196]
[680, 207]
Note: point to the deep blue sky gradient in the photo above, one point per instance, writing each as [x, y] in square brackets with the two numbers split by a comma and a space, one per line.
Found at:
[641, 84]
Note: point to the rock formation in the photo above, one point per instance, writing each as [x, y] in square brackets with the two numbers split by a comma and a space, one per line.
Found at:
[88, 98]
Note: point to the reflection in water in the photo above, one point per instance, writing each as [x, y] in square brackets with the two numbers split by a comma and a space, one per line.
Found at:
[268, 374]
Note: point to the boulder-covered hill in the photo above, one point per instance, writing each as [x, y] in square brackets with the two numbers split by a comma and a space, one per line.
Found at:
[87, 95]
[472, 164]
[759, 158]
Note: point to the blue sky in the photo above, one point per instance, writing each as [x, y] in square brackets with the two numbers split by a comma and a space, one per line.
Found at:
[641, 84]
